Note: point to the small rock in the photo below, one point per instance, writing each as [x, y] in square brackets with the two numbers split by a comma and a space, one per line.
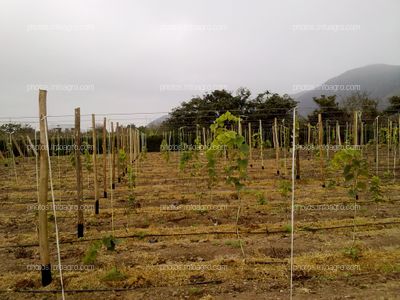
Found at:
[153, 240]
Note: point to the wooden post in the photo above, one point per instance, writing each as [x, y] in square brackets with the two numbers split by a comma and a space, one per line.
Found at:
[362, 134]
[355, 128]
[261, 145]
[131, 147]
[321, 152]
[104, 158]
[117, 132]
[250, 147]
[377, 146]
[389, 143]
[96, 184]
[297, 163]
[338, 139]
[276, 145]
[204, 138]
[112, 156]
[43, 190]
[78, 167]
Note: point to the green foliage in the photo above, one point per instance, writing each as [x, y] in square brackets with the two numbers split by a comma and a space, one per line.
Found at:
[195, 291]
[15, 128]
[261, 200]
[238, 151]
[143, 154]
[287, 228]
[141, 235]
[375, 189]
[360, 101]
[122, 157]
[131, 177]
[394, 105]
[72, 159]
[91, 254]
[233, 243]
[110, 242]
[114, 275]
[354, 169]
[205, 108]
[284, 188]
[164, 150]
[353, 252]
[186, 156]
[329, 110]
[331, 184]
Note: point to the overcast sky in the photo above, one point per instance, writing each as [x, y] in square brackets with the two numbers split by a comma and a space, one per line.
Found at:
[148, 56]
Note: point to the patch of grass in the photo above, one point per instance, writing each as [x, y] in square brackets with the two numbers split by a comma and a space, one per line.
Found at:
[141, 235]
[287, 228]
[216, 243]
[91, 254]
[353, 252]
[110, 242]
[202, 211]
[261, 200]
[389, 268]
[233, 243]
[195, 291]
[331, 184]
[114, 275]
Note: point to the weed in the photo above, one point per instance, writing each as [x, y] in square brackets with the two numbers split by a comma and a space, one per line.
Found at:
[233, 244]
[114, 275]
[353, 252]
[91, 254]
[110, 242]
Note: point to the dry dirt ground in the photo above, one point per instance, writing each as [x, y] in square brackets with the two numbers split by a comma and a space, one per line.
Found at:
[176, 239]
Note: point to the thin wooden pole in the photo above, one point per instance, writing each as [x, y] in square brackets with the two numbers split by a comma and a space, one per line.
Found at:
[261, 145]
[276, 145]
[250, 147]
[321, 152]
[117, 132]
[104, 158]
[377, 146]
[130, 147]
[78, 167]
[96, 184]
[112, 156]
[338, 139]
[297, 163]
[43, 191]
[355, 128]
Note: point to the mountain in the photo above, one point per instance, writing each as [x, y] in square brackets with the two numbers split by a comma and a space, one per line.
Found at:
[380, 81]
[157, 122]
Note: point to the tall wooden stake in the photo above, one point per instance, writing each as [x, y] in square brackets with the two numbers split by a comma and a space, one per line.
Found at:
[250, 146]
[78, 167]
[43, 190]
[276, 145]
[104, 158]
[321, 152]
[96, 184]
[112, 156]
[355, 128]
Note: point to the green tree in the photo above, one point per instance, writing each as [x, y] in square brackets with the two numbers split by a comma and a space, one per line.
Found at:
[394, 105]
[329, 110]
